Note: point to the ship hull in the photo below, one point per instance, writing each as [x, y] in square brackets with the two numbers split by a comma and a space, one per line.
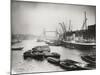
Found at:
[76, 45]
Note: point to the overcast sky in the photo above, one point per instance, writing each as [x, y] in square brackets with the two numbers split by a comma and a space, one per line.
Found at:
[33, 17]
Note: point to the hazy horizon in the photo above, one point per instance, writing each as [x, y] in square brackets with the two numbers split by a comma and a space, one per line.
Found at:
[33, 17]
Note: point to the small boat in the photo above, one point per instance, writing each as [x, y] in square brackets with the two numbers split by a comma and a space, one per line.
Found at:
[53, 54]
[50, 43]
[82, 66]
[89, 58]
[38, 54]
[41, 48]
[92, 66]
[54, 43]
[69, 61]
[56, 55]
[27, 54]
[69, 65]
[32, 54]
[52, 60]
[17, 48]
[15, 41]
[47, 54]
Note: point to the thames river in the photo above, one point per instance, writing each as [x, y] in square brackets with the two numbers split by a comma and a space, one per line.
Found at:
[19, 65]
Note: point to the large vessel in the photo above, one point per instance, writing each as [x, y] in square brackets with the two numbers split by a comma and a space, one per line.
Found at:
[79, 39]
[79, 45]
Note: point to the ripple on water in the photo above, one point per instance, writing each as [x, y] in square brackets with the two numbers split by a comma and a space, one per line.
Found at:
[19, 65]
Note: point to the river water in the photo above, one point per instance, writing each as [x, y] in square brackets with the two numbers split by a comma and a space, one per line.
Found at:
[19, 65]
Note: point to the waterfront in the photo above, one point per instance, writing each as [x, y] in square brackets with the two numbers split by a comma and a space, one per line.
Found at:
[19, 65]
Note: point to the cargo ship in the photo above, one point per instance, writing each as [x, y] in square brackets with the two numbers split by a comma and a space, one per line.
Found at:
[84, 39]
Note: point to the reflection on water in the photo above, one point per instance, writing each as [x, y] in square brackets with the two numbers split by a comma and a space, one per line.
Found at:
[19, 65]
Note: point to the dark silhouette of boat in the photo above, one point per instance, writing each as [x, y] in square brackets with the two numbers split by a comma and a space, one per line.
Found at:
[37, 52]
[32, 54]
[53, 60]
[68, 64]
[15, 41]
[53, 54]
[40, 52]
[17, 48]
[41, 48]
[54, 43]
[88, 66]
[71, 65]
[89, 59]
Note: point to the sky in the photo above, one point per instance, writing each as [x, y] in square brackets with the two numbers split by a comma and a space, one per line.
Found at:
[33, 17]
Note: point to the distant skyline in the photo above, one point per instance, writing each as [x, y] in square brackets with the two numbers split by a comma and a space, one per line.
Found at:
[33, 17]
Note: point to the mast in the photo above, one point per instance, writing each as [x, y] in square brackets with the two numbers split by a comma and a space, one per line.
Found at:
[84, 26]
[69, 26]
